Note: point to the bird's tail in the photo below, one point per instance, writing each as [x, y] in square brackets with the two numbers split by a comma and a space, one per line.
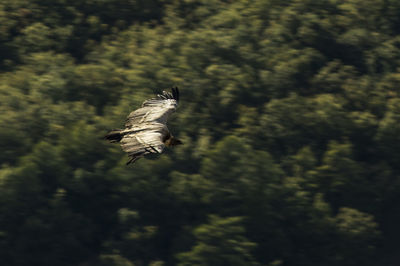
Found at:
[114, 136]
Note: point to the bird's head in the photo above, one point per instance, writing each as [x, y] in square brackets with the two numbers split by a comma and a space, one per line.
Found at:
[172, 141]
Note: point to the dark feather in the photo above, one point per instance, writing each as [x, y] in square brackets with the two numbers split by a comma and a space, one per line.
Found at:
[114, 136]
[175, 93]
[133, 159]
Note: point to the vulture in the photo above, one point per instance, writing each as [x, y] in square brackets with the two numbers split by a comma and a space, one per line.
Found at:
[146, 128]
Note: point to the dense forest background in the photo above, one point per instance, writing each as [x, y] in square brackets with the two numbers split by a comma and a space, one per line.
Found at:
[290, 115]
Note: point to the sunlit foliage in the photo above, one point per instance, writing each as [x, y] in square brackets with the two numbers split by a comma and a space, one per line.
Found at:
[290, 116]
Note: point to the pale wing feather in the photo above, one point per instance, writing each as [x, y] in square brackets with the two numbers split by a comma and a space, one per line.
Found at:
[142, 142]
[144, 138]
[153, 110]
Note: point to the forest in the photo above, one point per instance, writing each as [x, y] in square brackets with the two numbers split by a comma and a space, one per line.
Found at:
[289, 114]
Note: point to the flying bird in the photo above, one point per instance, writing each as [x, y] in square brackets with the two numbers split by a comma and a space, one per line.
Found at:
[146, 128]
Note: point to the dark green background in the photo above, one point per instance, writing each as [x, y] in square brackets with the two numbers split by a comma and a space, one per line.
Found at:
[290, 115]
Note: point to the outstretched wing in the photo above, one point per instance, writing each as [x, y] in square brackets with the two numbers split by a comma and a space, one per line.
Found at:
[141, 141]
[155, 110]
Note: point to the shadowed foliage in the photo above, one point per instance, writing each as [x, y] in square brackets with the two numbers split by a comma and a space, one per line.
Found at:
[289, 114]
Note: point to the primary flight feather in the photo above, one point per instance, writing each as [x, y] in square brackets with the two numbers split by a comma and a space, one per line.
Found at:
[146, 128]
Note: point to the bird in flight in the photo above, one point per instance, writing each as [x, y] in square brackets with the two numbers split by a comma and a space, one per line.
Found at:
[146, 128]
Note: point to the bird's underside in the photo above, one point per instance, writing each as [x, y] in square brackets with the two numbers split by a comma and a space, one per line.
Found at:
[138, 142]
[145, 128]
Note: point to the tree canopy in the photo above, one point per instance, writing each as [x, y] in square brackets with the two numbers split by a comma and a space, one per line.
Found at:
[289, 112]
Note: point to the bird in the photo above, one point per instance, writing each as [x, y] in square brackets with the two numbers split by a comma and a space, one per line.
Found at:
[146, 128]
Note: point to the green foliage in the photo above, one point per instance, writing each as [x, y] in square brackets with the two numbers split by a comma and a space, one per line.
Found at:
[220, 242]
[289, 115]
[114, 260]
[388, 131]
[355, 230]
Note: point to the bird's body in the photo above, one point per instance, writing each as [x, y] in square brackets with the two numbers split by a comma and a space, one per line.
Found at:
[145, 128]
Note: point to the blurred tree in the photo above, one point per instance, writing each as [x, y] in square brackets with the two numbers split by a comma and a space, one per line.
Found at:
[220, 242]
[289, 115]
[355, 230]
[388, 131]
[339, 176]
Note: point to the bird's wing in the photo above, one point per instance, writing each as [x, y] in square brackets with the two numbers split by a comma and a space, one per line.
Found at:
[140, 141]
[155, 110]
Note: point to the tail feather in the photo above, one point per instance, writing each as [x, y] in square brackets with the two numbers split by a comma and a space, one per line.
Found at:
[114, 136]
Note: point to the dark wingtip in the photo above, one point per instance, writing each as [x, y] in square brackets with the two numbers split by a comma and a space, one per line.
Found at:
[175, 93]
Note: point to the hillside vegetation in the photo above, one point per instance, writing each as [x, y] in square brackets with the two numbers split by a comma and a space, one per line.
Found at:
[289, 114]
